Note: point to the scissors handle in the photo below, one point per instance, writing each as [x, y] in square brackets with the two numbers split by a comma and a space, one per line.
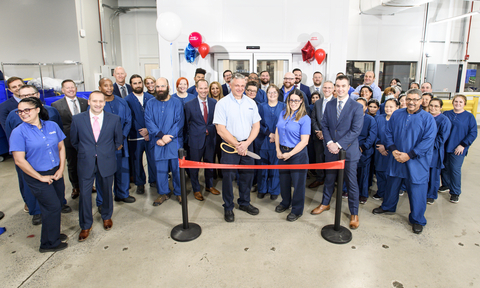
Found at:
[229, 145]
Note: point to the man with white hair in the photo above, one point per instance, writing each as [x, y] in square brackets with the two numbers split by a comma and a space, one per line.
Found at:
[120, 88]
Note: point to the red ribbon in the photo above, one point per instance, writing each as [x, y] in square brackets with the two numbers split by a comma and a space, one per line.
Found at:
[330, 165]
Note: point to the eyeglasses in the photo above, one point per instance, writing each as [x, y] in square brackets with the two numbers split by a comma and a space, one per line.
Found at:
[29, 95]
[412, 100]
[295, 101]
[26, 111]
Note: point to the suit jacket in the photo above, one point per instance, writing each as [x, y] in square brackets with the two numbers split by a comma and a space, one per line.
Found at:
[345, 130]
[116, 89]
[225, 89]
[314, 89]
[66, 115]
[5, 109]
[103, 151]
[317, 115]
[197, 136]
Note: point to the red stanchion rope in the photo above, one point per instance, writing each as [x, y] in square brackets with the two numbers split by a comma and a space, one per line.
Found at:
[327, 166]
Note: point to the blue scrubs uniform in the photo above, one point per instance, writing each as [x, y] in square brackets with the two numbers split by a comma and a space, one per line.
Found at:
[463, 132]
[137, 144]
[189, 97]
[413, 134]
[381, 162]
[119, 106]
[166, 118]
[192, 90]
[290, 131]
[366, 141]
[443, 131]
[41, 151]
[269, 179]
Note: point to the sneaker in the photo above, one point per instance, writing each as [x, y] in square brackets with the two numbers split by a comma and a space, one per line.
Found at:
[56, 249]
[63, 238]
[260, 195]
[401, 193]
[345, 195]
[443, 189]
[376, 197]
[430, 201]
[37, 219]
[454, 198]
[66, 209]
[363, 199]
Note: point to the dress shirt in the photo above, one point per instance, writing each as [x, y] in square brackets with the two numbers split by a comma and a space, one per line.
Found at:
[200, 102]
[70, 104]
[325, 101]
[100, 119]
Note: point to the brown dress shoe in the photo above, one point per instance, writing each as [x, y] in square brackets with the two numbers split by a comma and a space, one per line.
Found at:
[320, 209]
[84, 235]
[162, 198]
[75, 193]
[315, 184]
[179, 198]
[107, 224]
[198, 196]
[354, 223]
[213, 190]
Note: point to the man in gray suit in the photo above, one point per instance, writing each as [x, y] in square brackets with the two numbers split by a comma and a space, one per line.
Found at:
[67, 107]
[317, 115]
[317, 82]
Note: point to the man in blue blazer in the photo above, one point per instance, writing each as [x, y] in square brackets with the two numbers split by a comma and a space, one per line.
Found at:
[298, 84]
[227, 76]
[13, 84]
[96, 135]
[202, 135]
[120, 88]
[342, 123]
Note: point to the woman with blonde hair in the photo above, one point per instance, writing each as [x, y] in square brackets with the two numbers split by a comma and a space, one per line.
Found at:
[149, 83]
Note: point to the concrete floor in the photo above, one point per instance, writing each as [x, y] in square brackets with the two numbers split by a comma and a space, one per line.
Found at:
[254, 251]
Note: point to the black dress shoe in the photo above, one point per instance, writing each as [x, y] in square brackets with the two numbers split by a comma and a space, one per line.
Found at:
[260, 195]
[129, 199]
[141, 189]
[99, 209]
[37, 219]
[1, 215]
[229, 216]
[417, 228]
[280, 208]
[273, 197]
[63, 238]
[153, 184]
[58, 248]
[250, 209]
[66, 209]
[378, 210]
[292, 217]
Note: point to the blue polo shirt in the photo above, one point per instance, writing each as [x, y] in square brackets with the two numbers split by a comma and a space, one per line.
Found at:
[238, 116]
[40, 145]
[290, 131]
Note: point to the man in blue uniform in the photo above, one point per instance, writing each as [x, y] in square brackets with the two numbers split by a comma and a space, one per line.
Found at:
[238, 123]
[139, 138]
[164, 119]
[410, 135]
[117, 105]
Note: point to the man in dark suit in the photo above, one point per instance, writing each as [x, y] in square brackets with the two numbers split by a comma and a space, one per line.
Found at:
[96, 135]
[341, 124]
[120, 88]
[199, 74]
[13, 84]
[69, 106]
[317, 116]
[298, 84]
[227, 77]
[288, 86]
[202, 134]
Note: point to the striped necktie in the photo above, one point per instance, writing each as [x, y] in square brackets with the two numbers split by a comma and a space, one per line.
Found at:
[339, 108]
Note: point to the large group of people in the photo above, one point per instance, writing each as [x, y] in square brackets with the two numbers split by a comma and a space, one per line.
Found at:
[403, 141]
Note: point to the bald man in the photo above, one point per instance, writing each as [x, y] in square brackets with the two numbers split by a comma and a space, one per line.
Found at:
[368, 80]
[289, 86]
[120, 88]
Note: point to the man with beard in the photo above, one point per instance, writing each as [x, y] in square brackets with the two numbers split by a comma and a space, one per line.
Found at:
[299, 85]
[288, 86]
[118, 106]
[164, 119]
[139, 138]
[227, 76]
[317, 83]
[264, 80]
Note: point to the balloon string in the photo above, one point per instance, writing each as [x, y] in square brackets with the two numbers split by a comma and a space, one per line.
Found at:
[171, 65]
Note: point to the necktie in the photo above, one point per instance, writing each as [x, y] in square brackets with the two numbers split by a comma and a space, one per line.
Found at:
[96, 128]
[205, 111]
[296, 86]
[75, 108]
[318, 89]
[339, 108]
[124, 92]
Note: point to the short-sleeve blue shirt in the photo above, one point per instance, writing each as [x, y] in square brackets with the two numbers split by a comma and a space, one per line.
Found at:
[40, 145]
[238, 116]
[290, 131]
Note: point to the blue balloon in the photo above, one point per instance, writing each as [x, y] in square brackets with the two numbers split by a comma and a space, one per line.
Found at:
[190, 53]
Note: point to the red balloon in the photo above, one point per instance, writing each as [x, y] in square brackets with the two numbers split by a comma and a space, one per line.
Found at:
[195, 39]
[204, 49]
[320, 55]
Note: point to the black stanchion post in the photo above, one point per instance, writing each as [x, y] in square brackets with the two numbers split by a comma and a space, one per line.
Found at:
[336, 233]
[186, 231]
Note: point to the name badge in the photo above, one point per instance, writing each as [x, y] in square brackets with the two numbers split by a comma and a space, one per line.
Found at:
[53, 132]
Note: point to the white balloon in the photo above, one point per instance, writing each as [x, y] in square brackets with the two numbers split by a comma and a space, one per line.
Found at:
[316, 39]
[169, 26]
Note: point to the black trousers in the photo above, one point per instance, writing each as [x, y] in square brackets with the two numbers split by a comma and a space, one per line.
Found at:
[71, 155]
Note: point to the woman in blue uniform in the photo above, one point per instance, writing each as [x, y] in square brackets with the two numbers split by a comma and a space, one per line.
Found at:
[269, 181]
[443, 131]
[382, 155]
[291, 139]
[462, 135]
[38, 149]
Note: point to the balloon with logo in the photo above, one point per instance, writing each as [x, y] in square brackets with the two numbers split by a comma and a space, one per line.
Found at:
[204, 49]
[320, 55]
[195, 39]
[316, 39]
[169, 26]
